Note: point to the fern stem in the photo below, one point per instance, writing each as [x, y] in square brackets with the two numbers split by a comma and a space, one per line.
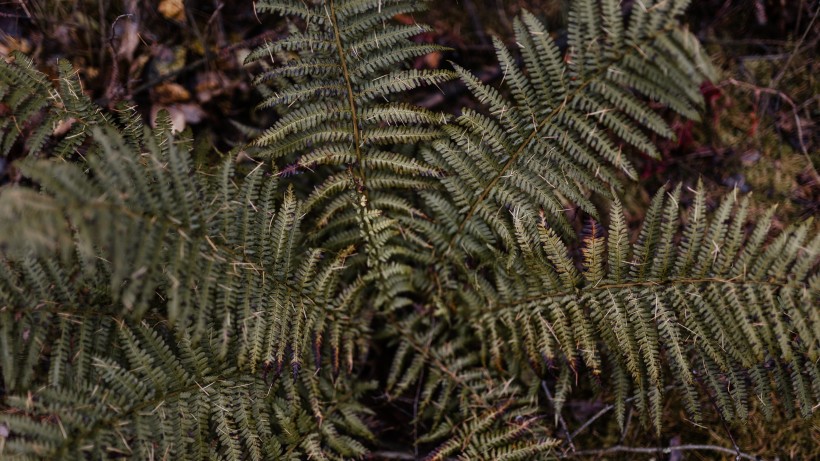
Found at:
[659, 283]
[350, 96]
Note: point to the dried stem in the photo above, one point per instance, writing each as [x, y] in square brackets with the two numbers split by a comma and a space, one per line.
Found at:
[664, 450]
[561, 420]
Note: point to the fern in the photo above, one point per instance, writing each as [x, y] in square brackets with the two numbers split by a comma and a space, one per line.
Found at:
[737, 323]
[159, 392]
[193, 249]
[571, 119]
[661, 314]
[154, 307]
[334, 86]
[45, 114]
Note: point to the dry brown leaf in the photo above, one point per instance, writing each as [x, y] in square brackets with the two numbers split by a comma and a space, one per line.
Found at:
[181, 115]
[208, 85]
[433, 60]
[170, 92]
[9, 44]
[172, 9]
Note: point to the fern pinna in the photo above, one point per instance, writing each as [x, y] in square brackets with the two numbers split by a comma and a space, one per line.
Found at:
[154, 308]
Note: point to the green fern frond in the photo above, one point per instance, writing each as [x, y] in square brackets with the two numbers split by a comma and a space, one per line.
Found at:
[153, 307]
[144, 236]
[162, 393]
[334, 92]
[570, 118]
[63, 115]
[659, 312]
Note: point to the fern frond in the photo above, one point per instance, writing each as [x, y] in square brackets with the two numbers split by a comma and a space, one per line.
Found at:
[470, 412]
[145, 236]
[164, 393]
[569, 121]
[338, 121]
[64, 115]
[153, 307]
[660, 323]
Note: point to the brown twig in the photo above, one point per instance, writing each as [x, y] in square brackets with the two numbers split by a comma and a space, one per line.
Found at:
[392, 455]
[254, 12]
[114, 90]
[726, 428]
[605, 410]
[28, 13]
[416, 401]
[13, 16]
[664, 450]
[627, 423]
[561, 420]
[797, 47]
[216, 24]
[586, 424]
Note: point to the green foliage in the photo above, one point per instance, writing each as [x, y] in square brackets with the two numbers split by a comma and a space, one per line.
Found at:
[160, 393]
[333, 82]
[570, 121]
[705, 311]
[41, 113]
[151, 307]
[219, 271]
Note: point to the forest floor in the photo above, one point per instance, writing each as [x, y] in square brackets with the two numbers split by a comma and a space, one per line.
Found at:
[760, 133]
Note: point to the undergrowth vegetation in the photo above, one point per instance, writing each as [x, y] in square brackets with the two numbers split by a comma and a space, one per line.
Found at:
[370, 278]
